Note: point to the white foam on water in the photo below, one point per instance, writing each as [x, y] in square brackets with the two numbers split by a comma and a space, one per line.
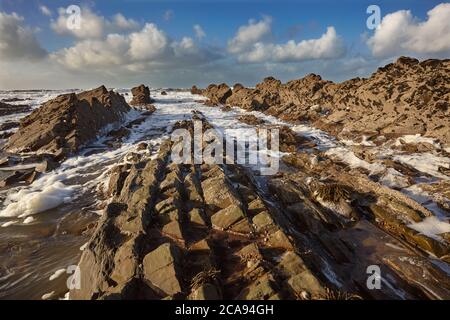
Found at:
[416, 193]
[48, 296]
[9, 223]
[394, 179]
[428, 163]
[31, 201]
[228, 120]
[324, 140]
[364, 142]
[57, 274]
[66, 296]
[28, 220]
[431, 227]
[353, 161]
[416, 138]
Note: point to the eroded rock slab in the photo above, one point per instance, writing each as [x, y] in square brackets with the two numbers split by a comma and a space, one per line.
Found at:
[160, 268]
[141, 96]
[62, 125]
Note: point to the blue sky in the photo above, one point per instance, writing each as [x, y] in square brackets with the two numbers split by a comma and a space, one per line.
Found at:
[301, 18]
[286, 39]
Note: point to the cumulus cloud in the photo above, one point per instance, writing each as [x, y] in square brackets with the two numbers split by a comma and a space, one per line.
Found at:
[45, 11]
[92, 26]
[135, 51]
[251, 45]
[401, 33]
[199, 32]
[18, 41]
[123, 23]
[250, 34]
[100, 53]
[147, 44]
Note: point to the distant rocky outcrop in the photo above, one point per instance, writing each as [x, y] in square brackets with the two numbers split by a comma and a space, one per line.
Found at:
[7, 109]
[218, 94]
[61, 125]
[195, 90]
[404, 97]
[141, 95]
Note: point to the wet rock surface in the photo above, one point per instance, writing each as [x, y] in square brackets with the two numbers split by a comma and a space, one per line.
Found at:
[191, 232]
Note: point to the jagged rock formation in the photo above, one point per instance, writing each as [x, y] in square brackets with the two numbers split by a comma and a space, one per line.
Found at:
[60, 126]
[141, 96]
[190, 232]
[218, 94]
[405, 97]
[174, 231]
[366, 201]
[339, 213]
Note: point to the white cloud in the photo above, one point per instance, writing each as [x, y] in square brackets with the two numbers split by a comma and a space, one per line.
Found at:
[251, 44]
[92, 26]
[401, 33]
[168, 15]
[45, 11]
[250, 34]
[188, 51]
[123, 23]
[136, 51]
[328, 46]
[186, 45]
[149, 43]
[98, 53]
[18, 41]
[199, 32]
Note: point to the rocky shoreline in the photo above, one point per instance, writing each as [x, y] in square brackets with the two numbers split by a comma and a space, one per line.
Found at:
[401, 98]
[208, 232]
[63, 126]
[185, 232]
[345, 199]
